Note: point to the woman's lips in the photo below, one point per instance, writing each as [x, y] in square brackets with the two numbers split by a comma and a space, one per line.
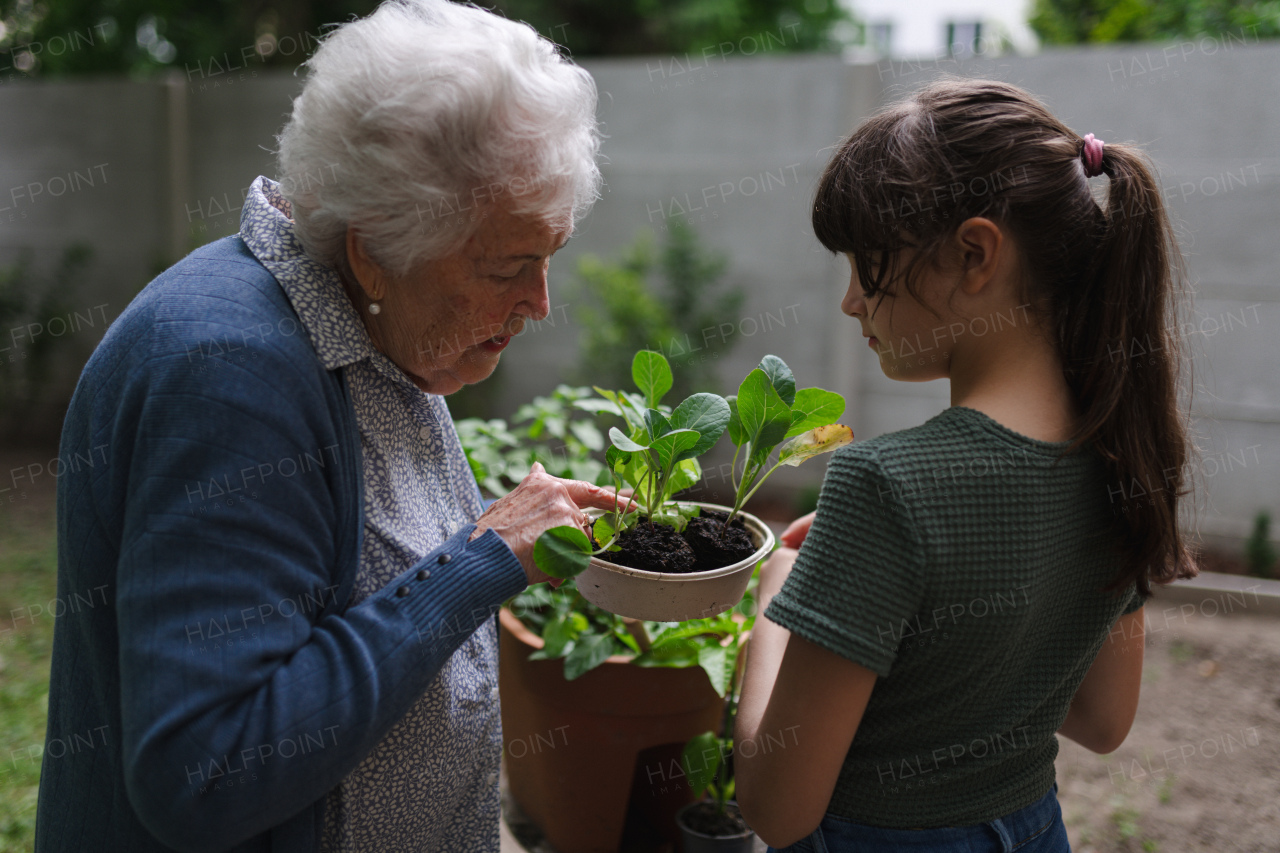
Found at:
[497, 343]
[872, 341]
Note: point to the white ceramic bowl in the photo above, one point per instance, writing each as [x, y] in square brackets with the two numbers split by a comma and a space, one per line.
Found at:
[674, 596]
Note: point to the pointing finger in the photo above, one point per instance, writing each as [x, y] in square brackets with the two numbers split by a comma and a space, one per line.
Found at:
[584, 494]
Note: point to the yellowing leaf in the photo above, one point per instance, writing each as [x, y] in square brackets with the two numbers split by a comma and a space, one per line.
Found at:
[815, 442]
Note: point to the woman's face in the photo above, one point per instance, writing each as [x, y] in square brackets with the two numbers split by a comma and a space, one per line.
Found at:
[910, 340]
[446, 323]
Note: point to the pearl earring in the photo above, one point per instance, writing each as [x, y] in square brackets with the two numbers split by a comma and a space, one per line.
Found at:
[374, 308]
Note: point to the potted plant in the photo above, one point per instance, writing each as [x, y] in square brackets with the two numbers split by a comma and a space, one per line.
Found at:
[669, 560]
[591, 698]
[596, 707]
[712, 823]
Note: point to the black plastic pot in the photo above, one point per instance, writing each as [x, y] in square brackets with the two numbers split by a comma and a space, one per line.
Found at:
[697, 842]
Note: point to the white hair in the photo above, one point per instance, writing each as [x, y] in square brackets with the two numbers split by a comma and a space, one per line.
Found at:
[416, 117]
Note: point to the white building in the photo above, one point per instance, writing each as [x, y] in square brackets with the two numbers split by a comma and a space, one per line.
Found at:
[923, 29]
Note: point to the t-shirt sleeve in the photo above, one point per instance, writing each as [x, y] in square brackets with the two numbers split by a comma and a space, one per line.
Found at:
[1135, 601]
[860, 571]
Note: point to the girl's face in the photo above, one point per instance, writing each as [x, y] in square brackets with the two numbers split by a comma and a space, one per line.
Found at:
[913, 343]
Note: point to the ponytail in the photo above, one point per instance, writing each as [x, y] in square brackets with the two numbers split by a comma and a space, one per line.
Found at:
[1122, 357]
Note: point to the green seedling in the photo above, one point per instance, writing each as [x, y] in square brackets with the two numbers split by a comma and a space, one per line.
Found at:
[767, 412]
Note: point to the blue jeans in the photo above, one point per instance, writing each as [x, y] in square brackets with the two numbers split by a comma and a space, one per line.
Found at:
[1037, 828]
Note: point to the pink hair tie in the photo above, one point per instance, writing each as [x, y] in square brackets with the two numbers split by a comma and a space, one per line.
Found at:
[1091, 154]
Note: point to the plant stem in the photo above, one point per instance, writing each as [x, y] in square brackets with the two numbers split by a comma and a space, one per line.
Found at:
[739, 499]
[762, 479]
[726, 724]
[636, 627]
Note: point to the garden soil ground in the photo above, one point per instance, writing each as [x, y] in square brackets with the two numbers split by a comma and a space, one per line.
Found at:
[1200, 770]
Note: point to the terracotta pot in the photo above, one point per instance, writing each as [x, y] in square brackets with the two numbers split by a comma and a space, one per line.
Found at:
[573, 748]
[674, 596]
[697, 842]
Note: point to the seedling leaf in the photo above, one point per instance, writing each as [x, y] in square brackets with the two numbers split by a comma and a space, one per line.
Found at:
[765, 418]
[686, 473]
[623, 443]
[656, 424]
[735, 423]
[700, 761]
[780, 377]
[813, 443]
[562, 552]
[680, 652]
[589, 652]
[814, 408]
[707, 414]
[715, 660]
[652, 375]
[674, 445]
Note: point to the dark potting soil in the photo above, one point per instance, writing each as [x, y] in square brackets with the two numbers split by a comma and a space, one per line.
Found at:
[703, 818]
[655, 549]
[704, 545]
[713, 545]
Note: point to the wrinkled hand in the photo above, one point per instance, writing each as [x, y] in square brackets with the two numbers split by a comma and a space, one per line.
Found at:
[539, 503]
[797, 530]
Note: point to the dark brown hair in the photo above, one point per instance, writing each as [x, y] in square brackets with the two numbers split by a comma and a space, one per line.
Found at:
[1103, 282]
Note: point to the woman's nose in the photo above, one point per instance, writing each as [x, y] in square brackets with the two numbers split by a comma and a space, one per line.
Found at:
[537, 299]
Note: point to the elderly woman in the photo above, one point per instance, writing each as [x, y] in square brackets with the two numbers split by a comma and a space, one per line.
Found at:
[301, 654]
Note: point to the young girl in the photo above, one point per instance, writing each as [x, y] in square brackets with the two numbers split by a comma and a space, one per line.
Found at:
[969, 587]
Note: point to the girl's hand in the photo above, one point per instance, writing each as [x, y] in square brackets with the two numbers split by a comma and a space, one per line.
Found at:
[798, 530]
[539, 503]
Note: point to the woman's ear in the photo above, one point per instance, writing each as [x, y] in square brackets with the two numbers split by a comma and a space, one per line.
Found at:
[367, 273]
[979, 243]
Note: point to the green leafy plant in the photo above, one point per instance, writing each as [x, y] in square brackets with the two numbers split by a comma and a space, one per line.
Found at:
[38, 372]
[768, 411]
[585, 636]
[707, 758]
[1259, 553]
[671, 299]
[558, 430]
[657, 457]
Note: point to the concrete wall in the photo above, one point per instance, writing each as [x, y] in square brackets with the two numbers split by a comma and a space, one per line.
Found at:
[734, 147]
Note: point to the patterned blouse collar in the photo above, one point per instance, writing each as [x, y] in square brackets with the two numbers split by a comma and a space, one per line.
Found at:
[314, 290]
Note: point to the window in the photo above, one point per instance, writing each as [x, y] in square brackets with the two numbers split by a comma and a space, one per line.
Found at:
[880, 36]
[963, 38]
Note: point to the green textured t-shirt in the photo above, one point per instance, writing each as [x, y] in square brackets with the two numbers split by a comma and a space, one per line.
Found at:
[963, 563]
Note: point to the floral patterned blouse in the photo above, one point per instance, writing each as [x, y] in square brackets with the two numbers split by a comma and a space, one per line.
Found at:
[432, 783]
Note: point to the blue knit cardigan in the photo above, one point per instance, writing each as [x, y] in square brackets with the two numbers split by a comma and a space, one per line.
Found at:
[210, 503]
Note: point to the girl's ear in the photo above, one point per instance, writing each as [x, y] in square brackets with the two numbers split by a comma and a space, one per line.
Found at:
[978, 244]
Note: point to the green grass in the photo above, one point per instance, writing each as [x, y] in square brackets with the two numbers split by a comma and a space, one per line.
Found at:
[1164, 793]
[28, 578]
[1181, 651]
[1125, 817]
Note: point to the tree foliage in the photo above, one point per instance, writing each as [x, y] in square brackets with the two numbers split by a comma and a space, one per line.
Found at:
[622, 27]
[1081, 21]
[673, 300]
[142, 37]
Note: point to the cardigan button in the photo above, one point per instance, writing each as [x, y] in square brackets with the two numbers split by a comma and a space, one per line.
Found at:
[402, 591]
[443, 558]
[423, 574]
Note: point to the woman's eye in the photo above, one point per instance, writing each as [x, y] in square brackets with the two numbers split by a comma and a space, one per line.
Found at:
[507, 274]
